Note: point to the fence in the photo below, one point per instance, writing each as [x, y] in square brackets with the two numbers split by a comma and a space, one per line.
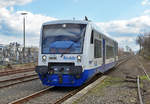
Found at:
[14, 54]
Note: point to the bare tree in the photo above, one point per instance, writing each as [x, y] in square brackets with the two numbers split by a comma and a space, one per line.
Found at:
[144, 43]
[139, 40]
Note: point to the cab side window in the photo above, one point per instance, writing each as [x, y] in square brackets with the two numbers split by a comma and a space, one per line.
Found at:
[92, 37]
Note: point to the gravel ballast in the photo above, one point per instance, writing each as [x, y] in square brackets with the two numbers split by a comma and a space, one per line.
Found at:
[14, 92]
[115, 89]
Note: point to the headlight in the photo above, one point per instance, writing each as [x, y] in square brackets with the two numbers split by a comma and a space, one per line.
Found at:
[44, 58]
[79, 58]
[55, 69]
[67, 69]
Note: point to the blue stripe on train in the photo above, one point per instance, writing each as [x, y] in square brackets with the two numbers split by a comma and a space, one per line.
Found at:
[71, 81]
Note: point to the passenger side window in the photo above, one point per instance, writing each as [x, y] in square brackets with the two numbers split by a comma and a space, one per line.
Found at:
[97, 49]
[109, 52]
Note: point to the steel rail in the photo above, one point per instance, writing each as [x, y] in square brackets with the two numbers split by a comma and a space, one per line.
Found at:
[82, 91]
[10, 72]
[145, 72]
[18, 78]
[59, 101]
[7, 85]
[142, 67]
[26, 98]
[122, 60]
[139, 91]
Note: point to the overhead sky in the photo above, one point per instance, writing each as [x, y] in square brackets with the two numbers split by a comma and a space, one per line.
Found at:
[122, 19]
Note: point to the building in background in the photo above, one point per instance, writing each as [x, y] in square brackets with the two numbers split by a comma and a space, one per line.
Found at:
[13, 54]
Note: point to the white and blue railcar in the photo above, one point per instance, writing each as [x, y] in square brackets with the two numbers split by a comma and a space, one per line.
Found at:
[72, 51]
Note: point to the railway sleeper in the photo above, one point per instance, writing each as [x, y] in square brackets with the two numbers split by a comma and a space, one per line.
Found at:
[133, 81]
[131, 77]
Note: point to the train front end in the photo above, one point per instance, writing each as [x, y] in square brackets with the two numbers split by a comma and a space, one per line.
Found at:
[60, 57]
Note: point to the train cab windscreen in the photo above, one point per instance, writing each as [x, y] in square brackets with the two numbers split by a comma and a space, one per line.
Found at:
[63, 38]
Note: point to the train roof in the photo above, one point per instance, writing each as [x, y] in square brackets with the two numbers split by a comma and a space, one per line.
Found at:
[105, 34]
[66, 21]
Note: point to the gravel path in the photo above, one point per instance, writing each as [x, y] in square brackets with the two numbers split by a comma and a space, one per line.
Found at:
[116, 89]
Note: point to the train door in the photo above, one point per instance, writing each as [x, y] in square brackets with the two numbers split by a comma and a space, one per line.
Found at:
[104, 53]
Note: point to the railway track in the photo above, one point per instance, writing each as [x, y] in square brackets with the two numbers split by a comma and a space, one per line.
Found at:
[70, 94]
[40, 93]
[60, 100]
[10, 72]
[142, 67]
[47, 90]
[123, 60]
[77, 90]
[138, 79]
[24, 99]
[14, 81]
[65, 97]
[139, 90]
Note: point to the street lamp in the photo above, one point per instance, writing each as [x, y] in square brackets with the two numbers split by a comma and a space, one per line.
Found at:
[24, 33]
